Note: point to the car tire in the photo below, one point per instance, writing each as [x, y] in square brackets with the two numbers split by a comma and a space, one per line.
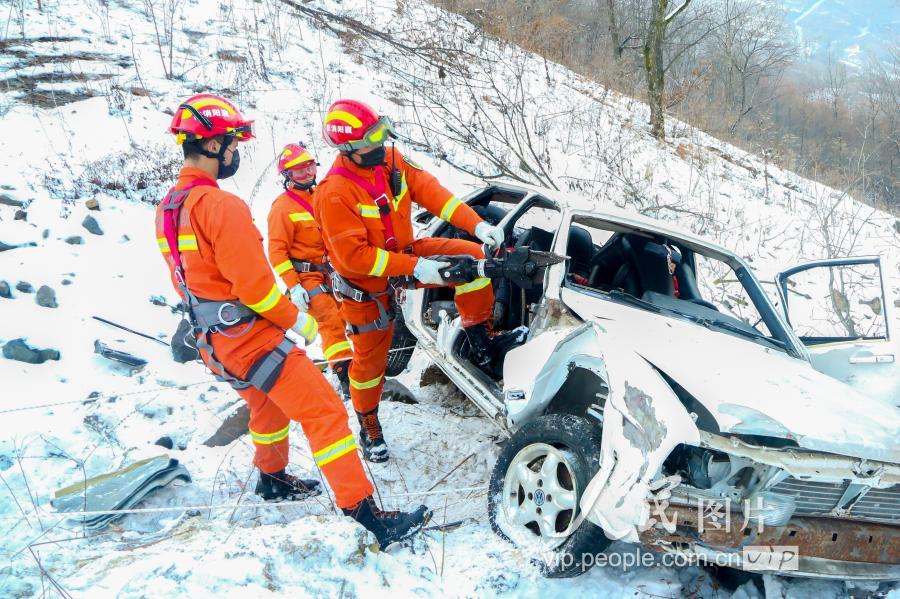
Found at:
[574, 444]
[403, 344]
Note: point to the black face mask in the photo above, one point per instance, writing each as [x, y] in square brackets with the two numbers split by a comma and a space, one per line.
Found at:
[229, 170]
[373, 158]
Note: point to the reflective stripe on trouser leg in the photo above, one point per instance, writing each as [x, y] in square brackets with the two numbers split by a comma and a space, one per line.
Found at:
[305, 396]
[370, 355]
[325, 310]
[269, 427]
[474, 300]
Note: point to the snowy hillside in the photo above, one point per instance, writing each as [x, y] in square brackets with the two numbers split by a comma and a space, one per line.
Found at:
[83, 116]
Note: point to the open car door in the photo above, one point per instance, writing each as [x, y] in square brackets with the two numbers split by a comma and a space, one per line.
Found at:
[838, 309]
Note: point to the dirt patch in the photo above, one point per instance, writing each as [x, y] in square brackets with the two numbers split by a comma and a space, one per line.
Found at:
[231, 56]
[28, 41]
[28, 88]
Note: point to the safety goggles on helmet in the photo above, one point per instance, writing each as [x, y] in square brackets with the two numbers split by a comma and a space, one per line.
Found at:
[301, 172]
[376, 135]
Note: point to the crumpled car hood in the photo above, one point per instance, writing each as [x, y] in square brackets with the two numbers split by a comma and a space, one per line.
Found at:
[754, 390]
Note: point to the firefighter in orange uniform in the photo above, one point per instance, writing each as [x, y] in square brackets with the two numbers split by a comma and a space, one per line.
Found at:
[297, 253]
[364, 209]
[217, 264]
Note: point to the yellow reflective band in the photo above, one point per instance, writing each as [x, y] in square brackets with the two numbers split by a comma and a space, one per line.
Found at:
[381, 260]
[311, 328]
[341, 115]
[305, 217]
[368, 211]
[402, 194]
[201, 104]
[335, 450]
[473, 286]
[304, 157]
[366, 384]
[268, 302]
[185, 243]
[283, 267]
[336, 349]
[449, 208]
[269, 438]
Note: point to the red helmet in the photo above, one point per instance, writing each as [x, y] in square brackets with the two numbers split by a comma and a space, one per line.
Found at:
[297, 164]
[351, 125]
[208, 115]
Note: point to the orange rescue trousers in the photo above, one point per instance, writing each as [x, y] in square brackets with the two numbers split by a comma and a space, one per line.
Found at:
[370, 350]
[302, 394]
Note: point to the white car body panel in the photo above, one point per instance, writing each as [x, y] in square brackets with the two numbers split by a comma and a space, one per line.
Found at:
[749, 388]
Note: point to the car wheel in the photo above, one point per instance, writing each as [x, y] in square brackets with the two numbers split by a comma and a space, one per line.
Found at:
[403, 344]
[535, 489]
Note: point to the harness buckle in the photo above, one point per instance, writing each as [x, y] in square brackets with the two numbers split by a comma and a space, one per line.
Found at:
[384, 204]
[358, 295]
[224, 309]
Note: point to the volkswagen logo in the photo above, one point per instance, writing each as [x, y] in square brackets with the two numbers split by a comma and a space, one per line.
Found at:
[539, 497]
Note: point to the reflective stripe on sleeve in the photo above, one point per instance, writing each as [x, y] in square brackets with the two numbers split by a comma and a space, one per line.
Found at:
[297, 217]
[473, 286]
[381, 260]
[269, 438]
[268, 302]
[334, 451]
[283, 267]
[449, 208]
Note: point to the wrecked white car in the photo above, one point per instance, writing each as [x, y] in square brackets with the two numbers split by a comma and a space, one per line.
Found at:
[659, 383]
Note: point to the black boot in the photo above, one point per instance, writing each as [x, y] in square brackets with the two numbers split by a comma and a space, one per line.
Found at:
[487, 353]
[371, 438]
[388, 527]
[280, 486]
[342, 372]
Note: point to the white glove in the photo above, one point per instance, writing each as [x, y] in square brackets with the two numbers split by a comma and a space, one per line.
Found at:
[490, 235]
[300, 297]
[306, 327]
[427, 271]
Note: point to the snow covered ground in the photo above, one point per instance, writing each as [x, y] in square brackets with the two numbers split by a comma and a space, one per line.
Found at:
[83, 116]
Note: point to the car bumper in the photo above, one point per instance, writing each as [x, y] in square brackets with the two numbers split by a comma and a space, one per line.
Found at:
[825, 547]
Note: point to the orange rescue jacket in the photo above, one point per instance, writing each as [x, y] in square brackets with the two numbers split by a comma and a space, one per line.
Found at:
[293, 234]
[354, 232]
[222, 254]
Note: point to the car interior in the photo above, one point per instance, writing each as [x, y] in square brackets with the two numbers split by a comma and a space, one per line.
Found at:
[623, 263]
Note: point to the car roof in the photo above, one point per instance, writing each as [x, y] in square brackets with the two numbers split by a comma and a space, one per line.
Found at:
[578, 204]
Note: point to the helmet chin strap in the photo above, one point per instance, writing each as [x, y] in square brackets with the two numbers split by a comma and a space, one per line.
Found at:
[220, 155]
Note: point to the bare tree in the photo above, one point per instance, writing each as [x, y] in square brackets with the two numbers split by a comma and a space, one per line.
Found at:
[164, 28]
[654, 61]
[755, 45]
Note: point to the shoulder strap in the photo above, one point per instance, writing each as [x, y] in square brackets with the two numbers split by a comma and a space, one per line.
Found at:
[172, 204]
[377, 192]
[303, 203]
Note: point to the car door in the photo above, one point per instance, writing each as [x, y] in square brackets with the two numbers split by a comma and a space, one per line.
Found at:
[839, 310]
